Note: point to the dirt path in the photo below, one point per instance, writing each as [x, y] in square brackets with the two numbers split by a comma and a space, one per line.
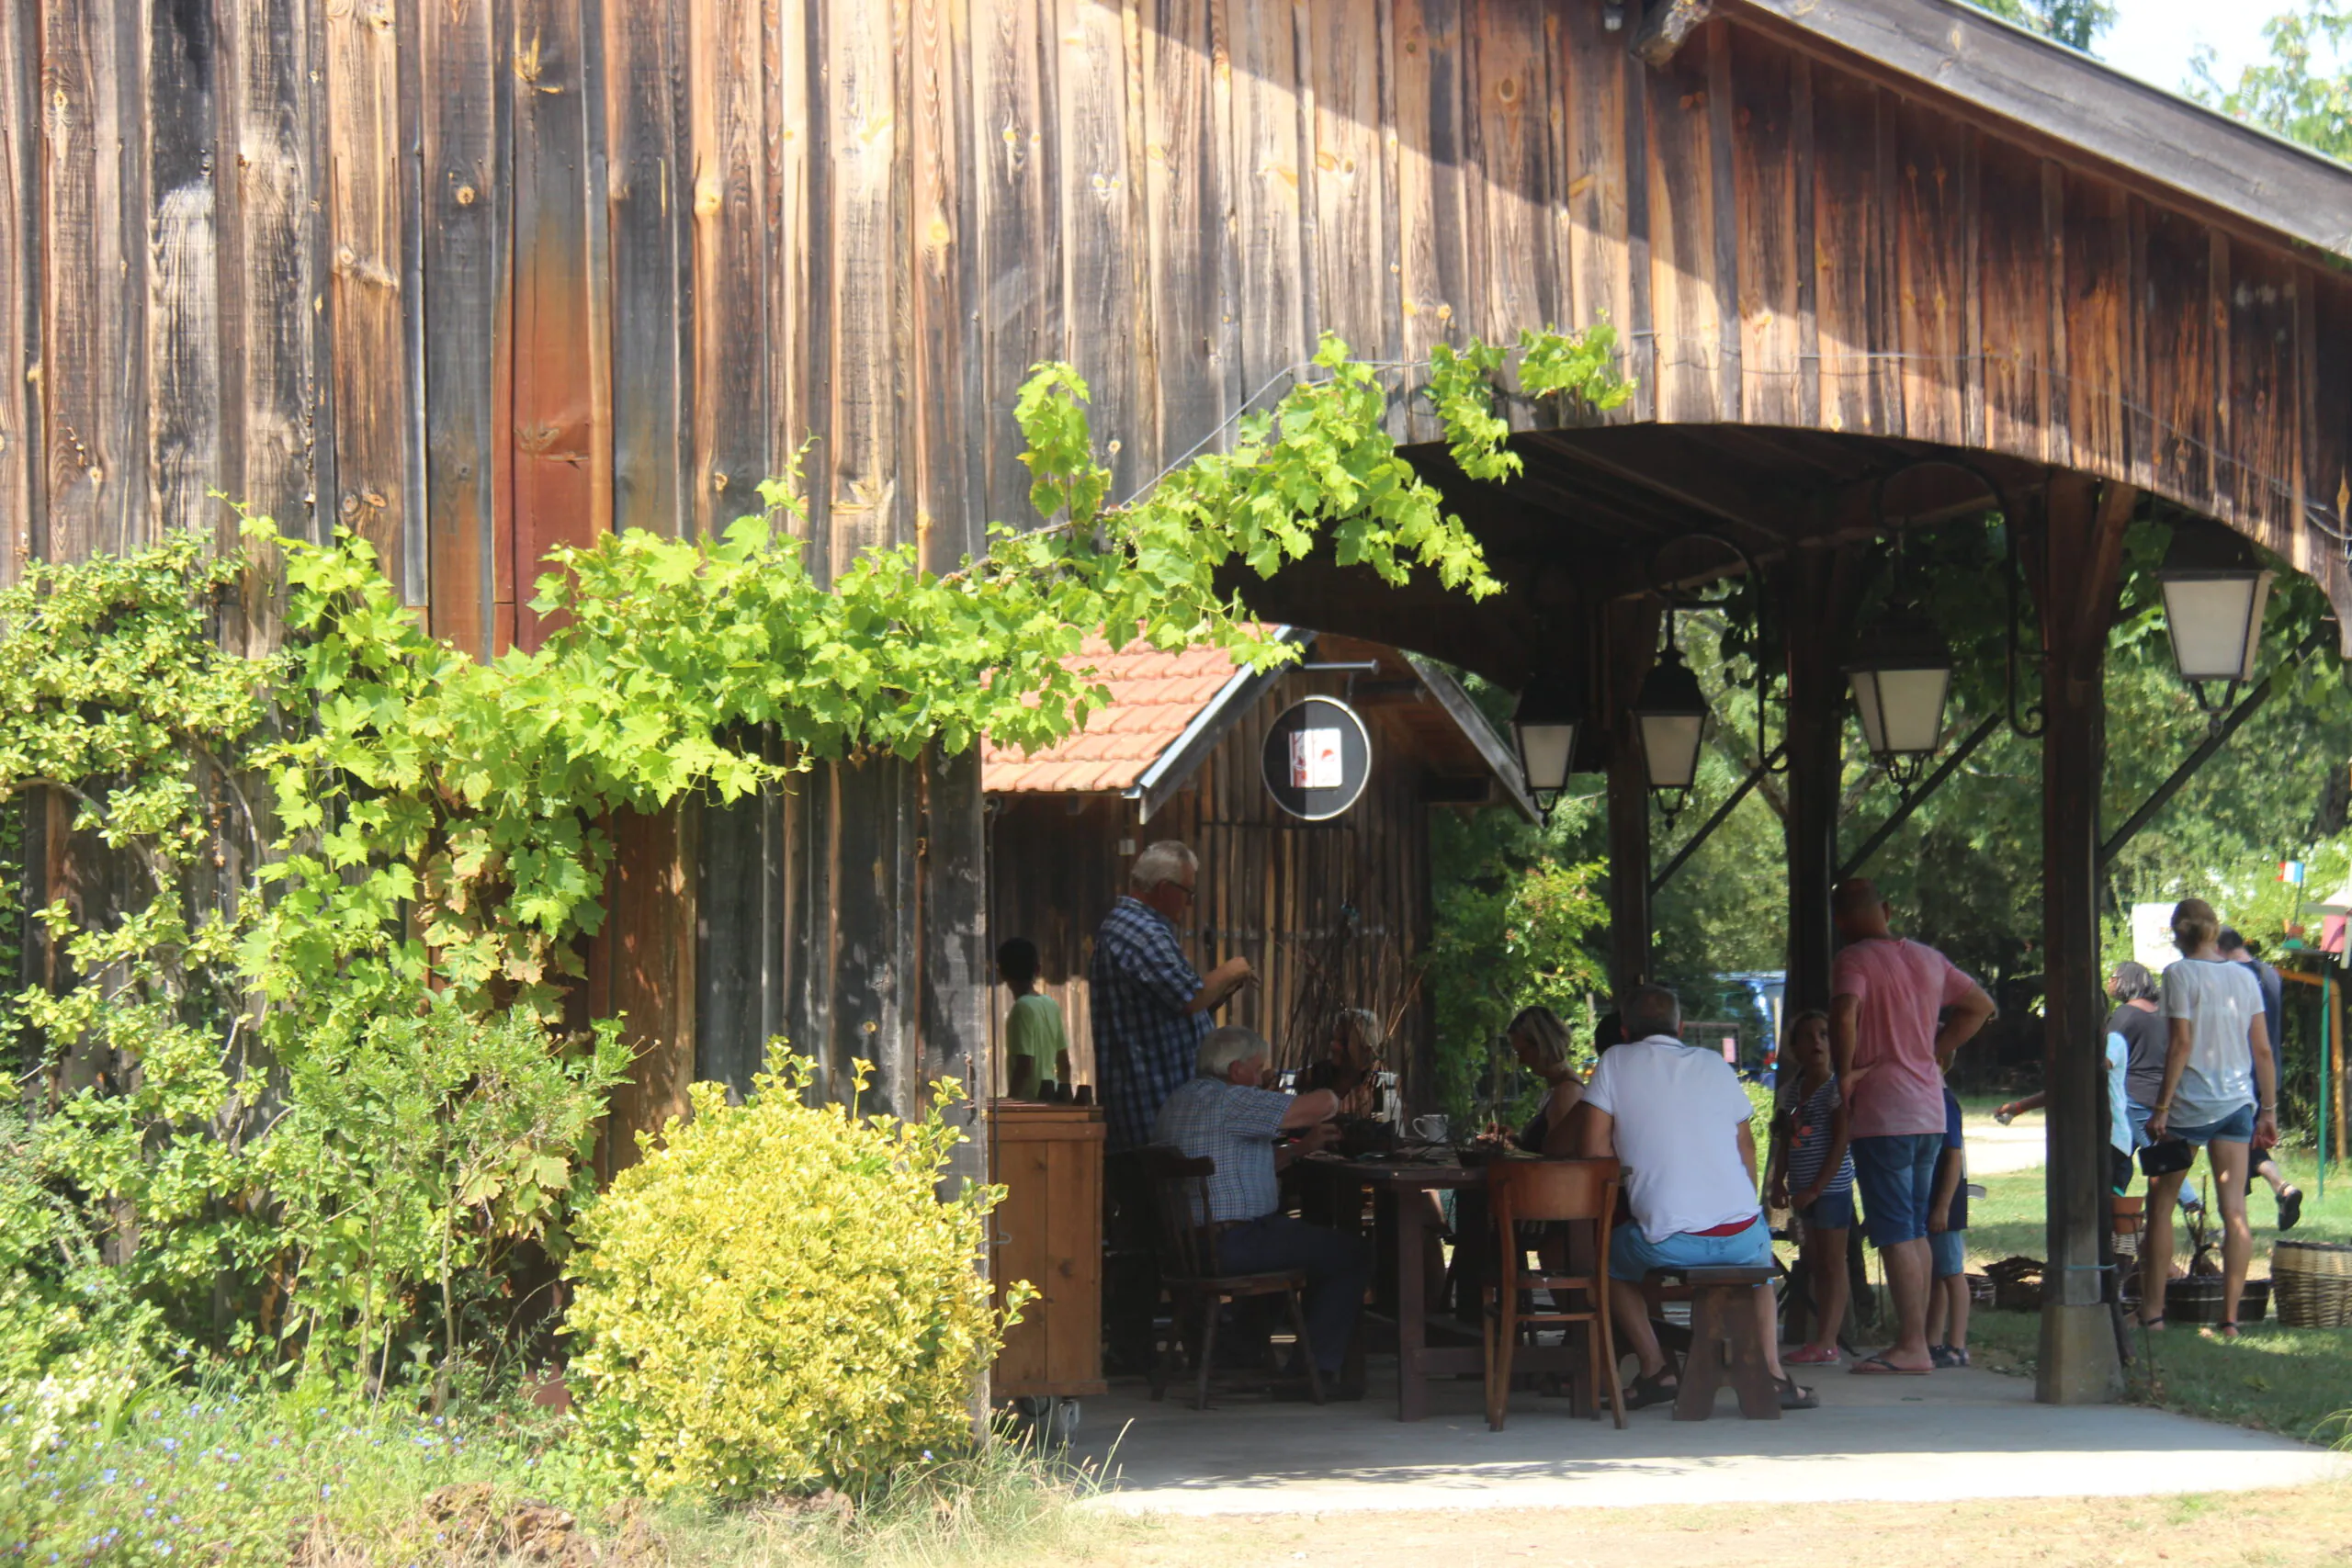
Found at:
[2303, 1529]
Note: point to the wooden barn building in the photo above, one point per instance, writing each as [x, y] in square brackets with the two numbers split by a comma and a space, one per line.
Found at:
[1331, 914]
[478, 280]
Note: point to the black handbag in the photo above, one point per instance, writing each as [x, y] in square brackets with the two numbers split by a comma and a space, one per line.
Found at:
[2163, 1159]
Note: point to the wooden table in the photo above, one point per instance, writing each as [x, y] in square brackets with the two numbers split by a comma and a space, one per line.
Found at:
[1401, 1189]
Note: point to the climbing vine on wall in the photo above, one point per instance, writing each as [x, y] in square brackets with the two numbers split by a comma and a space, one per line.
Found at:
[370, 825]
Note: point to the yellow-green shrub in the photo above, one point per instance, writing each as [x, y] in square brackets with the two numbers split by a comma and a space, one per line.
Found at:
[779, 1299]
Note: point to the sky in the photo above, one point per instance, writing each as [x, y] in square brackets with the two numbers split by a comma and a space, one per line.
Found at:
[2154, 39]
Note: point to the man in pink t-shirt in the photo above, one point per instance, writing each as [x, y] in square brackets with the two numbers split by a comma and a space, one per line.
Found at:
[1886, 999]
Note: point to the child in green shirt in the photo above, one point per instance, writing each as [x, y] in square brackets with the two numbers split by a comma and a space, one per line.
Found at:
[1037, 1048]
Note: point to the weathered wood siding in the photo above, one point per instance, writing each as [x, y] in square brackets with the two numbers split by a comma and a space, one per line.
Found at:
[479, 276]
[1273, 888]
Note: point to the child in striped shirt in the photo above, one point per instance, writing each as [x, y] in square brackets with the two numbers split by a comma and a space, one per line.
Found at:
[1814, 1174]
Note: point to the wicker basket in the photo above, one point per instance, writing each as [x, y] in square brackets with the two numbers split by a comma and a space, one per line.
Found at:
[2017, 1283]
[2197, 1299]
[2315, 1284]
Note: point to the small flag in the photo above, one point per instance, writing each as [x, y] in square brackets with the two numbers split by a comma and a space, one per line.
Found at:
[2291, 870]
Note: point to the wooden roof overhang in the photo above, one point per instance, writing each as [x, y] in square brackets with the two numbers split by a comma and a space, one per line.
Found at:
[1837, 236]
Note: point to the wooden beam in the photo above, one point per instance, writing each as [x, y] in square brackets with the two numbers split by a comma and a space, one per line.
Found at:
[1820, 584]
[2082, 561]
[2161, 797]
[1665, 24]
[1628, 634]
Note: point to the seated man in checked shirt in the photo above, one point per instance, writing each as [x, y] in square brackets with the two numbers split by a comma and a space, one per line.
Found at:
[1222, 1114]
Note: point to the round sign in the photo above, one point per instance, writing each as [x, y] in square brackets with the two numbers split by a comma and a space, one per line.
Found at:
[1318, 758]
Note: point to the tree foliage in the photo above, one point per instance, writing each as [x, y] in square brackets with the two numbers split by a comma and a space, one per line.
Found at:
[2304, 91]
[2075, 23]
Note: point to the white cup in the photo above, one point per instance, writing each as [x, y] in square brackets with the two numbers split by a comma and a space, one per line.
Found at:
[1429, 1129]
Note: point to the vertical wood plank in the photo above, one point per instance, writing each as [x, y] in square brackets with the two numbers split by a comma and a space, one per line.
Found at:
[1355, 291]
[1764, 181]
[2257, 476]
[2327, 453]
[182, 394]
[863, 123]
[789, 171]
[2058, 437]
[2014, 301]
[1931, 281]
[1019, 205]
[2177, 308]
[1591, 73]
[649, 932]
[1682, 235]
[729, 384]
[463, 214]
[948, 427]
[1275, 332]
[2097, 231]
[1507, 183]
[93, 335]
[371, 395]
[1431, 220]
[651, 70]
[562, 439]
[1845, 259]
[1098, 244]
[1187, 239]
[21, 479]
[271, 287]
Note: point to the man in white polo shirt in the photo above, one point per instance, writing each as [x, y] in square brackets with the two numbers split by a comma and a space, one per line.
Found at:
[1677, 1118]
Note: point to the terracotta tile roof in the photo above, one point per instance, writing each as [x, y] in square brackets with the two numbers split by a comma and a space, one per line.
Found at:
[1154, 696]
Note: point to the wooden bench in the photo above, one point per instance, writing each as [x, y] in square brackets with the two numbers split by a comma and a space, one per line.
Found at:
[1725, 1340]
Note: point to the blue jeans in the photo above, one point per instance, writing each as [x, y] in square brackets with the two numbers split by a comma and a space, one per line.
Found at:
[1948, 1252]
[1897, 1173]
[1830, 1212]
[1338, 1268]
[1633, 1255]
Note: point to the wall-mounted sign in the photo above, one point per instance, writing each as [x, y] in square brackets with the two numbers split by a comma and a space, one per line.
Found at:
[1318, 758]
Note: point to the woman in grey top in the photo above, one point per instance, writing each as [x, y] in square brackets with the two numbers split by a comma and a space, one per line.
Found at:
[2219, 1094]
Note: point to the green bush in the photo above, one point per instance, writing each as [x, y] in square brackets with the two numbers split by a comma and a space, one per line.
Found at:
[778, 1299]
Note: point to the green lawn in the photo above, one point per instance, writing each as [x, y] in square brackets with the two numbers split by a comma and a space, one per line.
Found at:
[2298, 1381]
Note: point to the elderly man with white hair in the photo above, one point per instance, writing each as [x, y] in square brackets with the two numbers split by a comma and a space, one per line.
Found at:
[1152, 1012]
[1225, 1115]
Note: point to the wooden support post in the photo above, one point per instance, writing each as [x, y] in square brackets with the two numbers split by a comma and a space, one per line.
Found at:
[1815, 752]
[2081, 559]
[2342, 1084]
[1629, 634]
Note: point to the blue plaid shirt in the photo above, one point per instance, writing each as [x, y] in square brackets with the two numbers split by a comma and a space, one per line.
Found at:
[1145, 1042]
[1234, 1125]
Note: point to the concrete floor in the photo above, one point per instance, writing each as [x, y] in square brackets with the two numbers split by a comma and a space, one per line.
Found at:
[1972, 1434]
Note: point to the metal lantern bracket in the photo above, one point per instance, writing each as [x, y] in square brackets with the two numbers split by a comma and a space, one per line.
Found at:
[1770, 759]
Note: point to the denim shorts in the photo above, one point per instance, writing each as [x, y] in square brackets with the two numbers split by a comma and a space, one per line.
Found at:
[1633, 1255]
[2237, 1127]
[1897, 1173]
[1948, 1251]
[1830, 1212]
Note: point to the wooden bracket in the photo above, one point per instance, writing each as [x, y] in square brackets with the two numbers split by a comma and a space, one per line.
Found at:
[1665, 24]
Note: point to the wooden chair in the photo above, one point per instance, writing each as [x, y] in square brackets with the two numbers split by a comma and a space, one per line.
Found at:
[1534, 1191]
[1196, 1288]
[1725, 1338]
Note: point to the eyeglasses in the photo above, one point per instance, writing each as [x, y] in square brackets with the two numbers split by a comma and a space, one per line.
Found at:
[1183, 887]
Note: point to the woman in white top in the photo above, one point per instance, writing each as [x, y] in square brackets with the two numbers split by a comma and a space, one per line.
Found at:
[2219, 1095]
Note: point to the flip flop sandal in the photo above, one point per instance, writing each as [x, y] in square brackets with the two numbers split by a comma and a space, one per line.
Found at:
[1947, 1357]
[2225, 1329]
[2149, 1324]
[1795, 1398]
[1809, 1357]
[1644, 1392]
[1878, 1366]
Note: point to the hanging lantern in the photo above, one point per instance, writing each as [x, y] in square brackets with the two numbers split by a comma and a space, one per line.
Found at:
[1901, 679]
[1672, 712]
[1544, 728]
[2214, 588]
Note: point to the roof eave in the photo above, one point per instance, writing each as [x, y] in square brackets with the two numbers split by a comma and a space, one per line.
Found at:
[2044, 87]
[1491, 747]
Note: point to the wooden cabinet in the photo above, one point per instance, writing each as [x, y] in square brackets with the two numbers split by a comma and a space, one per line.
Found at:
[1048, 1231]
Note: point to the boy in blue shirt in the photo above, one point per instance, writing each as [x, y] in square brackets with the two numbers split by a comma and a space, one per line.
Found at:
[1947, 1245]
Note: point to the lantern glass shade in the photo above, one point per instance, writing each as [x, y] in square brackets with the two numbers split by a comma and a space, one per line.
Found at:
[1900, 682]
[2214, 592]
[1543, 729]
[1672, 712]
